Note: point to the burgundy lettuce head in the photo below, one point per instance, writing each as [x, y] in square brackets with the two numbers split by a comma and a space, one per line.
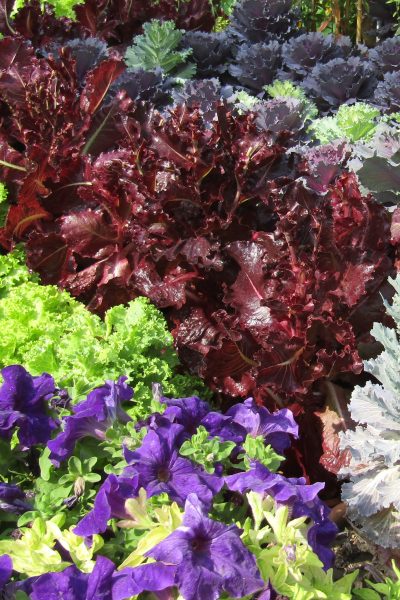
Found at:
[209, 557]
[387, 94]
[91, 418]
[24, 403]
[340, 81]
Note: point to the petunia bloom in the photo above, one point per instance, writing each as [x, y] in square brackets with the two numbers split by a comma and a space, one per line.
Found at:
[72, 584]
[161, 469]
[13, 499]
[109, 504]
[24, 404]
[276, 428]
[209, 556]
[154, 577]
[6, 568]
[294, 492]
[91, 418]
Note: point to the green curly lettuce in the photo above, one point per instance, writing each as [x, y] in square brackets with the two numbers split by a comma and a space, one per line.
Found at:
[62, 8]
[46, 330]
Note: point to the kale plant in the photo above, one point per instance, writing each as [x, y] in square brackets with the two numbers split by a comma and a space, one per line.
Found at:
[373, 468]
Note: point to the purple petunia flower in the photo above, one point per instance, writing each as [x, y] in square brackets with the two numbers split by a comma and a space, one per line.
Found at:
[6, 568]
[294, 492]
[23, 404]
[92, 418]
[13, 499]
[257, 420]
[209, 556]
[154, 577]
[188, 412]
[72, 584]
[109, 504]
[161, 469]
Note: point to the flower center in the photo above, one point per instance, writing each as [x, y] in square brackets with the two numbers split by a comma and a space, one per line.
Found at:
[163, 474]
[199, 544]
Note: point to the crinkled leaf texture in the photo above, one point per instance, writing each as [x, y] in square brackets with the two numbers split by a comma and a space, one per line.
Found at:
[373, 492]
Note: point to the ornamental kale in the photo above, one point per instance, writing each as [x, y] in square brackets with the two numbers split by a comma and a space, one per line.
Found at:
[386, 55]
[256, 65]
[373, 465]
[302, 53]
[259, 21]
[157, 48]
[340, 81]
[387, 94]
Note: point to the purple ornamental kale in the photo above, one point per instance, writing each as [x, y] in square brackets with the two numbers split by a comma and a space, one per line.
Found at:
[387, 94]
[386, 55]
[92, 418]
[340, 81]
[302, 53]
[256, 65]
[13, 499]
[321, 165]
[209, 556]
[109, 504]
[161, 469]
[24, 403]
[276, 427]
[210, 51]
[301, 498]
[261, 21]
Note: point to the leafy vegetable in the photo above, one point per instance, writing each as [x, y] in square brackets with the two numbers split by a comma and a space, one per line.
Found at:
[157, 47]
[354, 123]
[374, 462]
[47, 330]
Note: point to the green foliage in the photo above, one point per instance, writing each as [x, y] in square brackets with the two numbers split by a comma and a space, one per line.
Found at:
[284, 556]
[3, 199]
[62, 8]
[287, 89]
[388, 590]
[353, 123]
[256, 449]
[46, 330]
[157, 48]
[34, 553]
[206, 451]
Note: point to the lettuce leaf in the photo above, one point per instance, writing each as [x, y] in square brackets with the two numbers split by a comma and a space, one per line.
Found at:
[45, 329]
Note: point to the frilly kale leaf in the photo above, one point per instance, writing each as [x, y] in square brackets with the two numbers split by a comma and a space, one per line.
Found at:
[157, 47]
[372, 493]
